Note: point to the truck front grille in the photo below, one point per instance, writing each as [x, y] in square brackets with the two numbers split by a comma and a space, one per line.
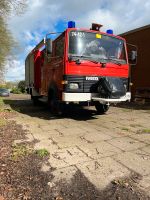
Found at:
[86, 86]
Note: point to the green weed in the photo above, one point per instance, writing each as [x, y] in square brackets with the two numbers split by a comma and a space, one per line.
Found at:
[135, 125]
[146, 130]
[42, 152]
[2, 122]
[1, 101]
[125, 129]
[20, 150]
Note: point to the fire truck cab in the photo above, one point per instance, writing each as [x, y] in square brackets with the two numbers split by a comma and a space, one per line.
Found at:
[80, 65]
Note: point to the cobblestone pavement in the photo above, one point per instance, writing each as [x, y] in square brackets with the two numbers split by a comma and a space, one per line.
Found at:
[102, 147]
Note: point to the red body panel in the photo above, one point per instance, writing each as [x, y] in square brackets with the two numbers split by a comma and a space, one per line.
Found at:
[92, 69]
[37, 69]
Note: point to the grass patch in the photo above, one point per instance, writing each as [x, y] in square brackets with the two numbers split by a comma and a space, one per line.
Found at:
[17, 109]
[126, 110]
[6, 110]
[135, 125]
[20, 150]
[1, 101]
[2, 122]
[4, 107]
[42, 152]
[146, 130]
[125, 129]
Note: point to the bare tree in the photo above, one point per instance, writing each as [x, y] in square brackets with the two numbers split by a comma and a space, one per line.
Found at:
[7, 7]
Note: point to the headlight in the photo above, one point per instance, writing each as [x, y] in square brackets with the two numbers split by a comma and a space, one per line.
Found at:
[128, 95]
[73, 86]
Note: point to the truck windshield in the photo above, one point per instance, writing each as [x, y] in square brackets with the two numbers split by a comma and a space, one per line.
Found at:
[96, 46]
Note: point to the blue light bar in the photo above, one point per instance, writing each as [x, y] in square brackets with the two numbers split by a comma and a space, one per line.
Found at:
[71, 24]
[109, 31]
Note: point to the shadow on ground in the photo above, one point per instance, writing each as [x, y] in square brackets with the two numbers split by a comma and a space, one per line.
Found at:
[41, 111]
[27, 181]
[23, 178]
[120, 189]
[134, 106]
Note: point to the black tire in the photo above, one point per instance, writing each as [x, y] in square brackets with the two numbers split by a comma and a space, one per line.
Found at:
[35, 100]
[101, 108]
[55, 106]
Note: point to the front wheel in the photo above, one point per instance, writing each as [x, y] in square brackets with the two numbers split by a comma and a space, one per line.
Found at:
[56, 107]
[35, 100]
[101, 108]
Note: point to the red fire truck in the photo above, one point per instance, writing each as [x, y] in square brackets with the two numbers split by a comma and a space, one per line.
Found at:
[80, 65]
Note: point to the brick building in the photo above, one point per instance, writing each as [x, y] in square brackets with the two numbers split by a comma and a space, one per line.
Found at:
[140, 73]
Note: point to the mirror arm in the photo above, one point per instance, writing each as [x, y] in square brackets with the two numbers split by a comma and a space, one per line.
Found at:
[132, 45]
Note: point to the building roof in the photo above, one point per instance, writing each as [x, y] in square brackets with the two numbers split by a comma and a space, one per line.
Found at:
[136, 30]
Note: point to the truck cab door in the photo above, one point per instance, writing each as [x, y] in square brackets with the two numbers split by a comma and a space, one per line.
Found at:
[56, 63]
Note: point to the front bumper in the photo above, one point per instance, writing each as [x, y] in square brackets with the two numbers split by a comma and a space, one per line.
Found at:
[81, 97]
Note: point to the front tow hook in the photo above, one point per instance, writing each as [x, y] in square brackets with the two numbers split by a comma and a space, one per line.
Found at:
[103, 65]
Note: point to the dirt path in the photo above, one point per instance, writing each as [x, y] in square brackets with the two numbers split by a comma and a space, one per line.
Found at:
[89, 156]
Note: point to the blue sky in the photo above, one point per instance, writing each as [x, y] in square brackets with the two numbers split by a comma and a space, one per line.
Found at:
[43, 16]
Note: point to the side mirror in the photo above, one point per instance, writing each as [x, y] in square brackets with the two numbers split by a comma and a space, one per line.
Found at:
[48, 46]
[133, 57]
[132, 54]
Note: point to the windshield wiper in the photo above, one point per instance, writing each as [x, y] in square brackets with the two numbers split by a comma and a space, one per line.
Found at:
[102, 61]
[82, 57]
[115, 60]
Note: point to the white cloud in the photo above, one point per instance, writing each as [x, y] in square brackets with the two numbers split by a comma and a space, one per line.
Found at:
[28, 36]
[14, 70]
[28, 49]
[42, 16]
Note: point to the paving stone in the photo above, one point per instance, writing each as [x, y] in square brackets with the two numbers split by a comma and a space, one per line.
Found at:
[145, 182]
[144, 155]
[95, 136]
[146, 149]
[45, 168]
[134, 161]
[67, 141]
[76, 156]
[94, 145]
[98, 150]
[65, 174]
[43, 135]
[57, 163]
[62, 177]
[126, 143]
[103, 171]
[143, 137]
[72, 131]
[114, 133]
[70, 123]
[51, 127]
[46, 144]
[66, 157]
[89, 127]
